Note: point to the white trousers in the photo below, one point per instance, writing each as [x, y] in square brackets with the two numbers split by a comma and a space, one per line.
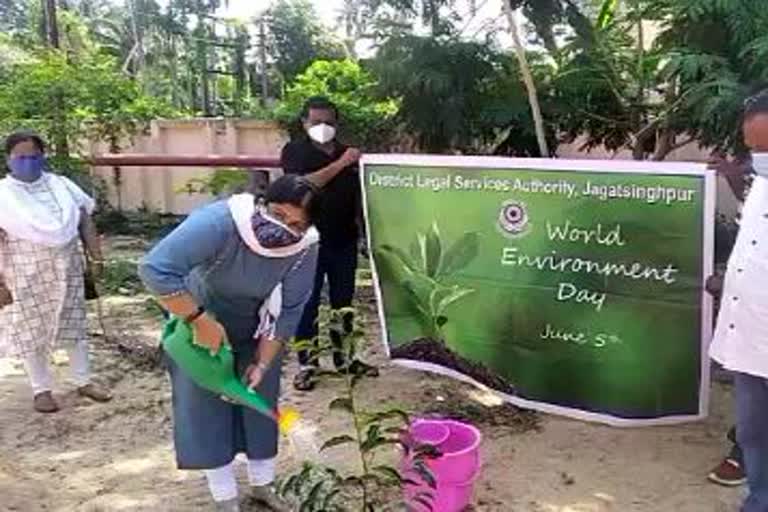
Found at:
[38, 367]
[223, 483]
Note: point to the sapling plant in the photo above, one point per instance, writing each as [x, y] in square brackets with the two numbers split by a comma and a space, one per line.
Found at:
[426, 276]
[424, 272]
[374, 485]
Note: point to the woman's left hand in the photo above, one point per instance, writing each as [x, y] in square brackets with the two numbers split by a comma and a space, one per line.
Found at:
[254, 374]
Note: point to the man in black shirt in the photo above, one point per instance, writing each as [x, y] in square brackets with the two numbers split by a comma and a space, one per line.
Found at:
[331, 166]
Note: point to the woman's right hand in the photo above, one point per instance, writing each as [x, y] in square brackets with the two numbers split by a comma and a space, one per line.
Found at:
[208, 333]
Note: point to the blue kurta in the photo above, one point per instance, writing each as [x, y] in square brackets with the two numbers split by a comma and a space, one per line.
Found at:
[206, 256]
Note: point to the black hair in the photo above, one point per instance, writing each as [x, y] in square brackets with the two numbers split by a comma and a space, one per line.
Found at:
[319, 103]
[297, 191]
[756, 105]
[20, 136]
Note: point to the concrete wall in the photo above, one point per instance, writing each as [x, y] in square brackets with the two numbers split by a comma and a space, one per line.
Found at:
[162, 189]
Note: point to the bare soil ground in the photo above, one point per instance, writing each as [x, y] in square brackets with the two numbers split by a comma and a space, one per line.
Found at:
[119, 457]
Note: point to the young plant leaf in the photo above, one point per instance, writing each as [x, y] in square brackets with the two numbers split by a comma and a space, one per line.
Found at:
[288, 487]
[422, 243]
[352, 481]
[455, 295]
[355, 380]
[433, 252]
[398, 258]
[461, 253]
[337, 441]
[312, 498]
[417, 254]
[307, 506]
[425, 474]
[607, 11]
[424, 502]
[390, 414]
[396, 430]
[372, 438]
[427, 452]
[329, 498]
[390, 473]
[341, 404]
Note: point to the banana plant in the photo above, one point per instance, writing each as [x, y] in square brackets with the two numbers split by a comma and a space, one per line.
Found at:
[424, 272]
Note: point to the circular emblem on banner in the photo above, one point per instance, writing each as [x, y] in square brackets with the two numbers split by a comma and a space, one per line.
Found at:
[513, 218]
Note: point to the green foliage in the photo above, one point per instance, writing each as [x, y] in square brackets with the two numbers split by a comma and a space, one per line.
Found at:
[714, 53]
[220, 182]
[599, 88]
[121, 278]
[141, 223]
[298, 38]
[425, 270]
[458, 95]
[615, 88]
[67, 101]
[375, 486]
[441, 85]
[438, 15]
[366, 118]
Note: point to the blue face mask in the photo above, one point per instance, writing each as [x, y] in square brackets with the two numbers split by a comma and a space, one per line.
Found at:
[27, 168]
[271, 233]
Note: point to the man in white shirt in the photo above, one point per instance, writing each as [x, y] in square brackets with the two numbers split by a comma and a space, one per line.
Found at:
[739, 175]
[741, 337]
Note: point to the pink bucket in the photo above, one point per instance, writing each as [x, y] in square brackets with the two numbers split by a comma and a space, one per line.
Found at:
[455, 471]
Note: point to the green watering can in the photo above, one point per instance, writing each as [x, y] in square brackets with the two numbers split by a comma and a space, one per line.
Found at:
[216, 373]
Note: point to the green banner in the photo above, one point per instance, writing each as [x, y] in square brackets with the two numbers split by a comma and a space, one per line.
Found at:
[571, 287]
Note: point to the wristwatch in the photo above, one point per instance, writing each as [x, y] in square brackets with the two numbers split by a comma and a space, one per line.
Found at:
[194, 316]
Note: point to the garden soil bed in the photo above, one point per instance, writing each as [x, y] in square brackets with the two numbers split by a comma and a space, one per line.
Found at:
[118, 457]
[431, 351]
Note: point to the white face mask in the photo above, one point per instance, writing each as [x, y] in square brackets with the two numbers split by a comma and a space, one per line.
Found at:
[322, 133]
[760, 164]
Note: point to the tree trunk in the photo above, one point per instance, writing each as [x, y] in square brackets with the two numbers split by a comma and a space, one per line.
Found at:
[51, 29]
[525, 71]
[138, 39]
[263, 62]
[52, 23]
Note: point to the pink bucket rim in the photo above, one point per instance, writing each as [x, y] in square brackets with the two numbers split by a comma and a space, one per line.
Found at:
[440, 423]
[473, 447]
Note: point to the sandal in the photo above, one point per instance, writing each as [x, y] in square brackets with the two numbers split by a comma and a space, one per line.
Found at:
[305, 380]
[44, 403]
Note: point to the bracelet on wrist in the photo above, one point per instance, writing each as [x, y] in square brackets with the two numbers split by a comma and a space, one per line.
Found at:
[195, 316]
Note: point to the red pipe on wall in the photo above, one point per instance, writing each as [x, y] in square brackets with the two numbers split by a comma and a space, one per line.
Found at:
[148, 160]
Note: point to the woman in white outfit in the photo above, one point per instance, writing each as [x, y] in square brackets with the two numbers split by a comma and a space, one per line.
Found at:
[43, 218]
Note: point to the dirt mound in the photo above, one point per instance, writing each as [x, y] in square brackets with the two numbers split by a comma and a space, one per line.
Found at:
[435, 352]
